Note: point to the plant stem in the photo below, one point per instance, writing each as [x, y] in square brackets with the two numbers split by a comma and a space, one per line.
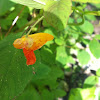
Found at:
[15, 22]
[35, 25]
[80, 13]
[96, 13]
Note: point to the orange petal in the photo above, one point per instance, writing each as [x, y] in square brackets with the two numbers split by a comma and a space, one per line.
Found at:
[30, 56]
[39, 39]
[32, 42]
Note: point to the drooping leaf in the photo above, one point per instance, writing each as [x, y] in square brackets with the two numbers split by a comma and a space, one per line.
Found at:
[87, 1]
[94, 47]
[14, 73]
[83, 57]
[57, 13]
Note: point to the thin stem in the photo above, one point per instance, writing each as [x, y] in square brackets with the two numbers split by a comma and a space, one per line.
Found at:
[35, 25]
[27, 29]
[15, 22]
[80, 13]
[96, 13]
[23, 27]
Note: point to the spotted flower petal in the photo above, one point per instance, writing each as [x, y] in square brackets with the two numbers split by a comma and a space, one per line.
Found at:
[30, 56]
[31, 43]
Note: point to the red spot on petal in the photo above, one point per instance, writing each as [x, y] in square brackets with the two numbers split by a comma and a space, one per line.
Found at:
[30, 56]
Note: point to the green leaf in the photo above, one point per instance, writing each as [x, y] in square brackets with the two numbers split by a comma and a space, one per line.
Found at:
[52, 95]
[90, 81]
[47, 95]
[59, 93]
[99, 95]
[59, 41]
[71, 60]
[97, 5]
[98, 72]
[87, 27]
[30, 93]
[21, 22]
[51, 31]
[5, 5]
[47, 55]
[89, 1]
[57, 13]
[14, 73]
[31, 3]
[91, 17]
[97, 36]
[4, 23]
[83, 57]
[41, 70]
[49, 79]
[94, 47]
[82, 94]
[61, 55]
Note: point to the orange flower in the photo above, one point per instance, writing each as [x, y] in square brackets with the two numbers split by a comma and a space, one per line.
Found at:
[31, 43]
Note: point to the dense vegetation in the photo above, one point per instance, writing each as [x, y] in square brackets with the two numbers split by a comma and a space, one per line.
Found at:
[58, 71]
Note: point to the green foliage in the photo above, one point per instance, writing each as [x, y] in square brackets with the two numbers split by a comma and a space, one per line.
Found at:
[56, 13]
[90, 81]
[82, 94]
[5, 5]
[56, 71]
[87, 27]
[98, 72]
[14, 74]
[97, 36]
[30, 93]
[61, 55]
[83, 57]
[95, 48]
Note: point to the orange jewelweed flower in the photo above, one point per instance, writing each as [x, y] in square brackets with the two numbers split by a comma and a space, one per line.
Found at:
[31, 43]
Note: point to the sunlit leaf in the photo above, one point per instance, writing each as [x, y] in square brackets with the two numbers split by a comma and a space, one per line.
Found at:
[82, 94]
[30, 3]
[90, 81]
[83, 57]
[98, 72]
[87, 27]
[57, 13]
[62, 55]
[94, 47]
